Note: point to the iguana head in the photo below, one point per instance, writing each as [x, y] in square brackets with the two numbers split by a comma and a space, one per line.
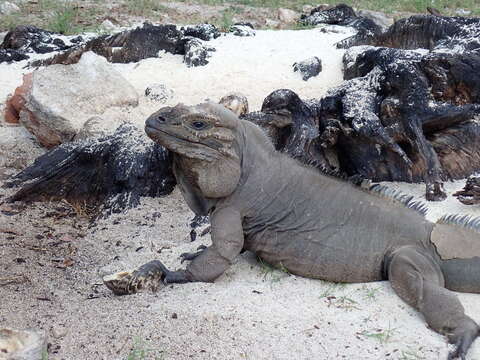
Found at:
[204, 138]
[204, 132]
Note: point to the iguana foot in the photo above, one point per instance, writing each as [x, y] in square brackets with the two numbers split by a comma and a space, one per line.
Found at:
[191, 256]
[435, 192]
[147, 277]
[462, 338]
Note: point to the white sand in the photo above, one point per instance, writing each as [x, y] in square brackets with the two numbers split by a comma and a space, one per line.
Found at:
[254, 66]
[248, 313]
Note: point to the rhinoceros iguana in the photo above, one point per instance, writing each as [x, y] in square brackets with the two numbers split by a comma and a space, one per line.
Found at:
[313, 225]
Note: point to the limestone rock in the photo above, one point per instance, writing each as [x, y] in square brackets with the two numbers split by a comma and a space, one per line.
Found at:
[272, 23]
[288, 16]
[378, 18]
[236, 102]
[8, 8]
[26, 39]
[308, 68]
[159, 93]
[463, 12]
[24, 345]
[93, 127]
[470, 194]
[18, 148]
[242, 30]
[202, 31]
[306, 9]
[126, 46]
[59, 99]
[102, 175]
[108, 25]
[196, 53]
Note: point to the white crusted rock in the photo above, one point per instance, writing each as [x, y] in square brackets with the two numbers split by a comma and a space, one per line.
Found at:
[60, 99]
[158, 93]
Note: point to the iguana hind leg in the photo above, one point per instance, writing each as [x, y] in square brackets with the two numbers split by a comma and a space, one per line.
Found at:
[416, 277]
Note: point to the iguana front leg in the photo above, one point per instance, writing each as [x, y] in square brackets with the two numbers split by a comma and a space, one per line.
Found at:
[227, 242]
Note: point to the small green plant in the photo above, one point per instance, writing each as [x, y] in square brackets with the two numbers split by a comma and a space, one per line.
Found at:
[345, 302]
[141, 352]
[226, 20]
[331, 286]
[370, 292]
[64, 20]
[46, 5]
[339, 301]
[383, 336]
[44, 354]
[302, 26]
[144, 7]
[8, 22]
[273, 272]
[410, 355]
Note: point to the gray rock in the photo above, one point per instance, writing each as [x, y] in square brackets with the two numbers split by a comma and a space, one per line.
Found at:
[306, 9]
[463, 12]
[237, 102]
[242, 30]
[272, 23]
[159, 93]
[378, 18]
[22, 344]
[62, 98]
[308, 68]
[108, 25]
[8, 8]
[196, 53]
[18, 148]
[288, 16]
[94, 127]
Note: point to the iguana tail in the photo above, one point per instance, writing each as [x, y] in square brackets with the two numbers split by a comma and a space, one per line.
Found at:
[457, 240]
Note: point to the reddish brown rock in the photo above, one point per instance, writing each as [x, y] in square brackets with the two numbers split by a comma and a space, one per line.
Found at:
[17, 101]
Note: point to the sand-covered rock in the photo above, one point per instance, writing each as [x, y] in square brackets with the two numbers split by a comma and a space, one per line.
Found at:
[196, 53]
[242, 30]
[22, 344]
[55, 102]
[308, 68]
[158, 93]
[18, 148]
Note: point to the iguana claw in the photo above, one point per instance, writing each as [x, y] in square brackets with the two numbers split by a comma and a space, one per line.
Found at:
[190, 256]
[463, 339]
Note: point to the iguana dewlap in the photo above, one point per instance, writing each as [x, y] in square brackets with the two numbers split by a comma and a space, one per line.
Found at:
[308, 223]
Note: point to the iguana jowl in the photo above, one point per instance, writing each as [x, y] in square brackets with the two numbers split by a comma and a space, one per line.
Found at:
[311, 224]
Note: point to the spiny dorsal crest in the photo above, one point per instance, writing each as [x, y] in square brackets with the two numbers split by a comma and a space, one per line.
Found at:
[465, 221]
[400, 197]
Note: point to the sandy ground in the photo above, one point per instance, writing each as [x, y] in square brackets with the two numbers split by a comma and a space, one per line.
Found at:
[52, 262]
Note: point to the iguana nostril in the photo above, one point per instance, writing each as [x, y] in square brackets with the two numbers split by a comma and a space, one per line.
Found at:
[161, 119]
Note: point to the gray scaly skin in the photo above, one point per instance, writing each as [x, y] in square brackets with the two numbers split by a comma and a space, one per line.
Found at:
[313, 225]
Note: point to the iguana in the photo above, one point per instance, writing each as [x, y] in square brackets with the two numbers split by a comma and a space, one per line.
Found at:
[311, 224]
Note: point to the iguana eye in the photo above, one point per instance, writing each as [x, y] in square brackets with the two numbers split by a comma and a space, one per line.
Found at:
[198, 125]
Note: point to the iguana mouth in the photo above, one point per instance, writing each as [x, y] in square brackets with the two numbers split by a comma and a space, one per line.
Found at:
[151, 130]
